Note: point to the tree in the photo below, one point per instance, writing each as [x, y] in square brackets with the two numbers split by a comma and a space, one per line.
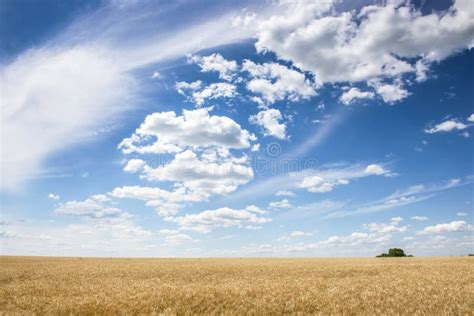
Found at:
[394, 252]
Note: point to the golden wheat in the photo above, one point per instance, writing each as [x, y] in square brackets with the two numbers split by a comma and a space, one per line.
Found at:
[429, 286]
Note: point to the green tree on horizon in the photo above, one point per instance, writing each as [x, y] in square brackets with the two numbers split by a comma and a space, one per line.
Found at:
[394, 252]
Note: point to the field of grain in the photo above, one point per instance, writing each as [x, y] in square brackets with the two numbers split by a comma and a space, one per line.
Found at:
[429, 286]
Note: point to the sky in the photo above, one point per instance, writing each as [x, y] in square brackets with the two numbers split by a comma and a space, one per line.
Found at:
[236, 128]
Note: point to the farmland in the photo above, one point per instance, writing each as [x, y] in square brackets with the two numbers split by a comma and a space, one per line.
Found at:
[48, 285]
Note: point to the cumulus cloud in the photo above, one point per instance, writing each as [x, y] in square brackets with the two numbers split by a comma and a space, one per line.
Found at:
[285, 193]
[200, 175]
[275, 82]
[53, 196]
[375, 170]
[379, 234]
[419, 218]
[206, 221]
[97, 206]
[100, 213]
[471, 118]
[215, 62]
[396, 220]
[134, 165]
[318, 184]
[214, 91]
[269, 119]
[202, 165]
[166, 203]
[184, 87]
[175, 237]
[446, 126]
[455, 226]
[355, 239]
[195, 128]
[294, 235]
[244, 20]
[355, 93]
[390, 93]
[327, 179]
[152, 193]
[385, 40]
[385, 228]
[280, 204]
[421, 69]
[198, 94]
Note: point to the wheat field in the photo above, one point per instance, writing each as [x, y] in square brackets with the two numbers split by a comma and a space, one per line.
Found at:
[424, 286]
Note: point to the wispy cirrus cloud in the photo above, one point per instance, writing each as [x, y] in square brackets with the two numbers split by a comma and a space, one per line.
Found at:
[411, 195]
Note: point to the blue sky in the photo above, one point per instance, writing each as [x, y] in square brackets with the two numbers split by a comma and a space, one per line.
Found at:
[192, 129]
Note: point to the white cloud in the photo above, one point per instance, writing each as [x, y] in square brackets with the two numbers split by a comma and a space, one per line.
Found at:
[175, 237]
[471, 118]
[419, 218]
[208, 220]
[461, 214]
[166, 203]
[134, 165]
[100, 214]
[97, 206]
[375, 170]
[275, 82]
[421, 69]
[465, 134]
[280, 204]
[455, 226]
[390, 93]
[53, 196]
[400, 198]
[215, 62]
[269, 119]
[317, 184]
[202, 166]
[396, 220]
[379, 235]
[385, 228]
[294, 235]
[354, 93]
[8, 234]
[184, 87]
[34, 108]
[152, 193]
[244, 20]
[195, 128]
[355, 239]
[214, 91]
[255, 147]
[202, 176]
[285, 193]
[374, 42]
[198, 94]
[446, 126]
[327, 179]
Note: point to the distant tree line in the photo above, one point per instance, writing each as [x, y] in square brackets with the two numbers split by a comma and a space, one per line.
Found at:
[394, 252]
